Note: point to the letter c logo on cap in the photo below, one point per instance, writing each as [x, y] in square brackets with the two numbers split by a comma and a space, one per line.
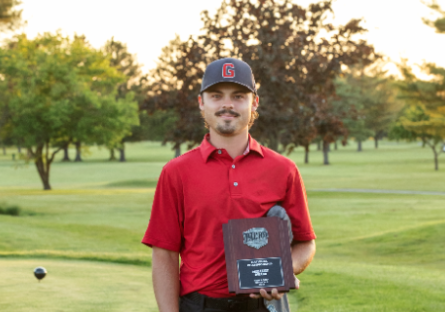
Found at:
[228, 70]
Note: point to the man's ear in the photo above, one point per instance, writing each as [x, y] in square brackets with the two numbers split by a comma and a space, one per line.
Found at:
[256, 102]
[201, 102]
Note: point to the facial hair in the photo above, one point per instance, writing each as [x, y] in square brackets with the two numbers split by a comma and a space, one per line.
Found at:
[228, 127]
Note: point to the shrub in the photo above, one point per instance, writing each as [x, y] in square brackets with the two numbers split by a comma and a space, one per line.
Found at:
[9, 210]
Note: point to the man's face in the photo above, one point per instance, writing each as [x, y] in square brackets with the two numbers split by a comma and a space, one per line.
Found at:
[227, 107]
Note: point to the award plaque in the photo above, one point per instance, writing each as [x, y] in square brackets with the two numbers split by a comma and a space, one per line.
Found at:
[258, 255]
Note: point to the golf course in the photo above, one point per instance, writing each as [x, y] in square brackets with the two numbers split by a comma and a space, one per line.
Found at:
[378, 249]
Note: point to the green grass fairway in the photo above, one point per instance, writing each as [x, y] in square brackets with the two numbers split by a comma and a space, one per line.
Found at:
[375, 252]
[74, 286]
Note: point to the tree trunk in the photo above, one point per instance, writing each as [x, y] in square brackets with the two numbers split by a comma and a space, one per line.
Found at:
[19, 149]
[436, 158]
[112, 156]
[178, 151]
[122, 153]
[376, 141]
[42, 167]
[359, 146]
[44, 175]
[319, 146]
[78, 151]
[306, 154]
[325, 153]
[66, 156]
[4, 150]
[335, 145]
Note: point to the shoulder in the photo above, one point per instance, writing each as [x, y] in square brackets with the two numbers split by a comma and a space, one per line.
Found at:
[186, 159]
[277, 158]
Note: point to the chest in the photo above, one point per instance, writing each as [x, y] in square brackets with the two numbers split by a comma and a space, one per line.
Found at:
[226, 189]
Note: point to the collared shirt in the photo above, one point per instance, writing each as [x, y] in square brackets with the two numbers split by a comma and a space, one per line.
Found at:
[203, 189]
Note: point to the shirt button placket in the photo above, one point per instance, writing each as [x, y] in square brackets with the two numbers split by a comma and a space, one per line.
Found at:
[234, 182]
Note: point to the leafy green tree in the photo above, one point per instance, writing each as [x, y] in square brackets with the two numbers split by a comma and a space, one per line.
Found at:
[425, 109]
[62, 91]
[135, 83]
[439, 23]
[382, 106]
[10, 17]
[176, 82]
[367, 102]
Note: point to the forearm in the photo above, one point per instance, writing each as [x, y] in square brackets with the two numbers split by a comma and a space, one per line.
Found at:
[302, 254]
[165, 273]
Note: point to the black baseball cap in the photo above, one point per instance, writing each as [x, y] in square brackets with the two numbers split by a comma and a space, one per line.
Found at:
[228, 70]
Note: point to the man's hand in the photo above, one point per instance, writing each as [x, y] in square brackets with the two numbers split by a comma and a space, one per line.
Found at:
[274, 293]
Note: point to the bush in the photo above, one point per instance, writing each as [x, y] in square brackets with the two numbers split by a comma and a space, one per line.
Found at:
[9, 210]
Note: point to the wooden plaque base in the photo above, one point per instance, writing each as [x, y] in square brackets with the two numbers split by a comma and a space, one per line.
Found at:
[258, 255]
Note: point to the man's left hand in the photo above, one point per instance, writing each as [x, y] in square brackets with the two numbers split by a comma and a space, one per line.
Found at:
[274, 294]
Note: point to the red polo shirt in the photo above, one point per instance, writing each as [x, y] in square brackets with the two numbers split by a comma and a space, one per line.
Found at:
[204, 188]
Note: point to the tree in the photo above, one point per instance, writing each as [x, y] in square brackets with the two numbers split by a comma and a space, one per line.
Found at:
[424, 116]
[125, 62]
[382, 105]
[62, 91]
[425, 111]
[295, 56]
[439, 23]
[351, 101]
[367, 101]
[301, 132]
[175, 86]
[10, 17]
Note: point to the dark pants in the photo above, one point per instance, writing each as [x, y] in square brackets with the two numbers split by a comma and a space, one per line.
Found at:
[187, 305]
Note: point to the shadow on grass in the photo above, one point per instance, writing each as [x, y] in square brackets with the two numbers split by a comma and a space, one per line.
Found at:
[133, 183]
[141, 260]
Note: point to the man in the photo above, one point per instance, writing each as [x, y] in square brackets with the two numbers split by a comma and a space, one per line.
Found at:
[229, 176]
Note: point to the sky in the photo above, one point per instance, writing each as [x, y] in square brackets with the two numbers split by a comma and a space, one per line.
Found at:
[395, 27]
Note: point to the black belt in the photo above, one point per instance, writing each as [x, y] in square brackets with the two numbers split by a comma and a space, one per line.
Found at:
[229, 304]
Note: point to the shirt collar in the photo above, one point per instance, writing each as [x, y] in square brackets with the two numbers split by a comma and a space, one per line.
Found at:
[207, 148]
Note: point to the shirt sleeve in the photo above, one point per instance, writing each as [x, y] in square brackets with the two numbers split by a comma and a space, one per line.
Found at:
[165, 225]
[297, 208]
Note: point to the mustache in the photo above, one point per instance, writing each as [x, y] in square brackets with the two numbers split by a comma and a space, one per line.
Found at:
[227, 111]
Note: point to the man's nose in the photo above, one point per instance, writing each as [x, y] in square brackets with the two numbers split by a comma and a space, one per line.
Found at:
[227, 103]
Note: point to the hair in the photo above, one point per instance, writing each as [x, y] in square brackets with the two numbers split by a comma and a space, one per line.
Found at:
[253, 115]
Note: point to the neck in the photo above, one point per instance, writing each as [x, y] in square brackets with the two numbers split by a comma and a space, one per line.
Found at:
[235, 145]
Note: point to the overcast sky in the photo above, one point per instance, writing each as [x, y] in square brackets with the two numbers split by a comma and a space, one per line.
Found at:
[395, 26]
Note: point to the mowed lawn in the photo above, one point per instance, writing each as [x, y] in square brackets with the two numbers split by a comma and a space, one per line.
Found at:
[375, 252]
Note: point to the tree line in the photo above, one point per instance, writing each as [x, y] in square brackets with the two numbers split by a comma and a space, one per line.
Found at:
[317, 83]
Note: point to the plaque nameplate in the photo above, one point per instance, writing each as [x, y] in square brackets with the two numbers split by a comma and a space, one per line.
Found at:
[260, 273]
